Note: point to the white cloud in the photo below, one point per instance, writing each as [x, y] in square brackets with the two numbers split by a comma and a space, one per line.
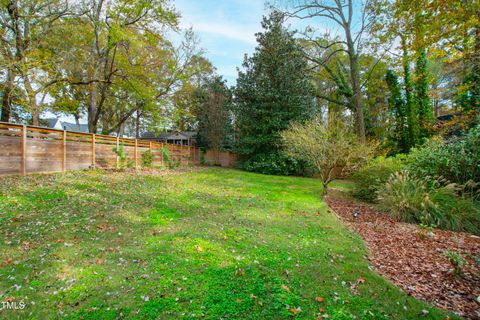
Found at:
[229, 30]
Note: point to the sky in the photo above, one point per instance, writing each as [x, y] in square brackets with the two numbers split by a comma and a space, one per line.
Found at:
[226, 29]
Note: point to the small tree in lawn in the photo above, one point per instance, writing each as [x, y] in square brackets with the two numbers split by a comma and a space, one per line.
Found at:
[326, 146]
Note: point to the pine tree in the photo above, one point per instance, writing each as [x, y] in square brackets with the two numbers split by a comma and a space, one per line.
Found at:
[424, 104]
[271, 92]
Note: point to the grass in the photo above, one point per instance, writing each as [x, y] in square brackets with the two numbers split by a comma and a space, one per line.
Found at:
[212, 244]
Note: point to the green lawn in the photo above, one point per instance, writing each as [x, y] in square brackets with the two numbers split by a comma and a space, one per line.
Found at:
[210, 244]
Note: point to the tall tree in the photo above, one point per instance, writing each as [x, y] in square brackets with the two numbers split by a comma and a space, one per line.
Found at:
[113, 26]
[399, 134]
[214, 115]
[24, 26]
[273, 90]
[410, 105]
[424, 104]
[341, 13]
[451, 32]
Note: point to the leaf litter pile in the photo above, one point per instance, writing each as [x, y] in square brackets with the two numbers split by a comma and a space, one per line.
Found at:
[417, 262]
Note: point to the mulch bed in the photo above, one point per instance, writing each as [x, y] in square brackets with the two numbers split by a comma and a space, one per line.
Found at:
[416, 263]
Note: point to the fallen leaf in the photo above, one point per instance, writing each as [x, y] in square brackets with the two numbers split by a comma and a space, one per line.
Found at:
[284, 287]
[319, 299]
[293, 310]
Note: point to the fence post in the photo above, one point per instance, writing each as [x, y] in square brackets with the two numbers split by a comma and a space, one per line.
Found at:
[117, 158]
[23, 164]
[136, 155]
[161, 152]
[64, 153]
[93, 150]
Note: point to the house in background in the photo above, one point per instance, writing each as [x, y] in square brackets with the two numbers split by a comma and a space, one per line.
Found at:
[56, 123]
[185, 138]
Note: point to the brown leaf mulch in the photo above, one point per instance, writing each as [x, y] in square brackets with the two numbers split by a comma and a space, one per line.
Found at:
[415, 263]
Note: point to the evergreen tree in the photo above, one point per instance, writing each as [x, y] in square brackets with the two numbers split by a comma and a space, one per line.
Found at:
[424, 104]
[410, 108]
[397, 105]
[214, 115]
[272, 91]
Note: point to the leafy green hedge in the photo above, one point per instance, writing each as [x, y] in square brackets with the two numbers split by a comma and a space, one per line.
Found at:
[457, 161]
[276, 164]
[436, 184]
[372, 178]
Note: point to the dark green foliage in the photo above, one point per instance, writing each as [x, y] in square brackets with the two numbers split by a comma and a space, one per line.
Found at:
[273, 90]
[410, 106]
[424, 104]
[276, 163]
[457, 162]
[399, 135]
[147, 159]
[372, 178]
[440, 185]
[215, 130]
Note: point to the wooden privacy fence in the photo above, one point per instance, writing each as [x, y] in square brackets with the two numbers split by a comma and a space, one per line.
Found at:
[29, 149]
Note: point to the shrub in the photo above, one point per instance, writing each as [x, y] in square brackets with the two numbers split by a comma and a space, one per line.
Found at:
[457, 261]
[429, 201]
[456, 161]
[122, 156]
[147, 159]
[167, 159]
[371, 178]
[326, 145]
[275, 164]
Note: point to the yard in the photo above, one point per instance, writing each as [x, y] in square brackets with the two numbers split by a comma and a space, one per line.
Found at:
[210, 244]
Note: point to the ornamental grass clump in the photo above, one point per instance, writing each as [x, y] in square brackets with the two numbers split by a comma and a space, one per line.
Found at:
[429, 201]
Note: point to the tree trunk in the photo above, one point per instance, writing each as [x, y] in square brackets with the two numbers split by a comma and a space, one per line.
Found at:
[6, 106]
[32, 101]
[356, 99]
[409, 99]
[137, 124]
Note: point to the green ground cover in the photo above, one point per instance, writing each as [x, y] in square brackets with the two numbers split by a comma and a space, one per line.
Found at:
[210, 244]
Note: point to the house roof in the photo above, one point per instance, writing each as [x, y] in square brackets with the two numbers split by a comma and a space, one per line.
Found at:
[52, 122]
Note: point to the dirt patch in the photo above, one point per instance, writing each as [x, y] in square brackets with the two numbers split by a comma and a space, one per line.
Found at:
[417, 263]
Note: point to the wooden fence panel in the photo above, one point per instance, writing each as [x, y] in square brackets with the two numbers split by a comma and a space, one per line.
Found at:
[10, 153]
[29, 149]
